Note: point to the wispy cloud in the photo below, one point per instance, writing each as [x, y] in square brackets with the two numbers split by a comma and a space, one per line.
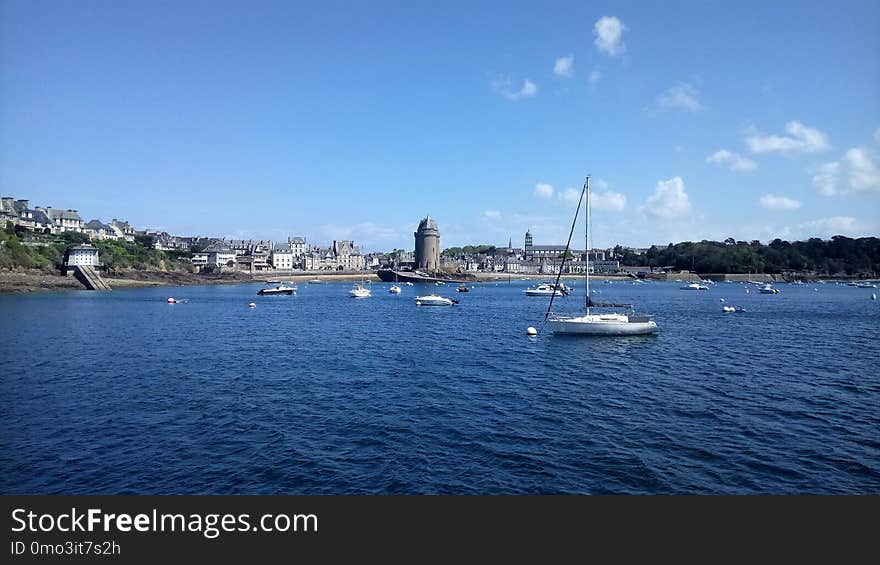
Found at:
[609, 35]
[492, 214]
[800, 139]
[771, 202]
[732, 161]
[683, 96]
[504, 85]
[857, 171]
[669, 200]
[834, 225]
[595, 75]
[544, 190]
[564, 66]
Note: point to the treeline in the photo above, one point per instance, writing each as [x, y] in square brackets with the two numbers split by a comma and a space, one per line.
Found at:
[838, 256]
[469, 250]
[24, 249]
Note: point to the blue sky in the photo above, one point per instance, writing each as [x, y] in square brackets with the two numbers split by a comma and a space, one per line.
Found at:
[355, 119]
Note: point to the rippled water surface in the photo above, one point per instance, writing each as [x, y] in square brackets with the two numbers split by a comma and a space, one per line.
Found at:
[119, 392]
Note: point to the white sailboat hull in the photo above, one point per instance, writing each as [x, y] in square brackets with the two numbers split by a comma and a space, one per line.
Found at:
[433, 300]
[603, 324]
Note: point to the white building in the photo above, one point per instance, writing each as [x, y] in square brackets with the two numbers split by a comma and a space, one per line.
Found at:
[297, 247]
[85, 255]
[283, 257]
[220, 256]
[63, 220]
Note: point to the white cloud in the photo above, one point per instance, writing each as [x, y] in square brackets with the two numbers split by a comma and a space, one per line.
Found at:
[857, 171]
[492, 214]
[543, 190]
[595, 75]
[608, 200]
[733, 161]
[861, 169]
[504, 85]
[772, 202]
[564, 66]
[570, 195]
[668, 201]
[683, 96]
[609, 32]
[800, 139]
[835, 225]
[825, 178]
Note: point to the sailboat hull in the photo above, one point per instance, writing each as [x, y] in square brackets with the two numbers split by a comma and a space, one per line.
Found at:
[602, 324]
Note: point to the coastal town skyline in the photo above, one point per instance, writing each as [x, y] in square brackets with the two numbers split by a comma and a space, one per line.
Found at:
[258, 124]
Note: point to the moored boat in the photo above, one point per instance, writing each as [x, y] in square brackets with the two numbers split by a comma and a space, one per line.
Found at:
[597, 324]
[280, 289]
[434, 300]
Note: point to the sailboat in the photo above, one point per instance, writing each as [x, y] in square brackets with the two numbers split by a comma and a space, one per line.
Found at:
[360, 291]
[610, 323]
[395, 288]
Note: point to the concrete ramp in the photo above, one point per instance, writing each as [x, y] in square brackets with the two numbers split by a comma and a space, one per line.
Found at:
[90, 278]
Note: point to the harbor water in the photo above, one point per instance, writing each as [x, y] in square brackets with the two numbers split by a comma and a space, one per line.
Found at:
[319, 393]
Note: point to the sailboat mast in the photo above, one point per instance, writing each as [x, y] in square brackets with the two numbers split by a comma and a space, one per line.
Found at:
[587, 250]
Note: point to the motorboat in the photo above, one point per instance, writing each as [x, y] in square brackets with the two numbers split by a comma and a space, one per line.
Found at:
[768, 289]
[545, 289]
[316, 281]
[598, 324]
[360, 291]
[280, 289]
[394, 289]
[462, 288]
[694, 286]
[434, 300]
[730, 309]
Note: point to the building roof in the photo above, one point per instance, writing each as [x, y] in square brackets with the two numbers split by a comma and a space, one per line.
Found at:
[97, 225]
[56, 214]
[428, 224]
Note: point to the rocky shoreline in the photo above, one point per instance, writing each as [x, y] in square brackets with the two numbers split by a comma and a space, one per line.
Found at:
[21, 281]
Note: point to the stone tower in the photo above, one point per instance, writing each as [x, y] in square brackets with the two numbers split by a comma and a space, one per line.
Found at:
[427, 256]
[527, 248]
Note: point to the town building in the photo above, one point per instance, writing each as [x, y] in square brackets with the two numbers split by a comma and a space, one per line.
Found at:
[298, 247]
[96, 229]
[283, 257]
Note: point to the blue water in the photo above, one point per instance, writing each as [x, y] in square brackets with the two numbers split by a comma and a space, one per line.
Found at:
[319, 393]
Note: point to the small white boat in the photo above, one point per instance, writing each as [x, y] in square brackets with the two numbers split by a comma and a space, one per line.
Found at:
[360, 291]
[729, 309]
[694, 286]
[280, 289]
[316, 281]
[434, 300]
[394, 289]
[768, 289]
[545, 289]
[409, 284]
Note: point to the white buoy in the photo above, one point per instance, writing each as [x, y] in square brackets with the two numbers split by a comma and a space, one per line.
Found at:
[252, 305]
[171, 301]
[722, 300]
[874, 296]
[531, 331]
[747, 291]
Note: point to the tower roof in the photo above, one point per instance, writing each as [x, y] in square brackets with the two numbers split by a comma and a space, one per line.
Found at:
[428, 224]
